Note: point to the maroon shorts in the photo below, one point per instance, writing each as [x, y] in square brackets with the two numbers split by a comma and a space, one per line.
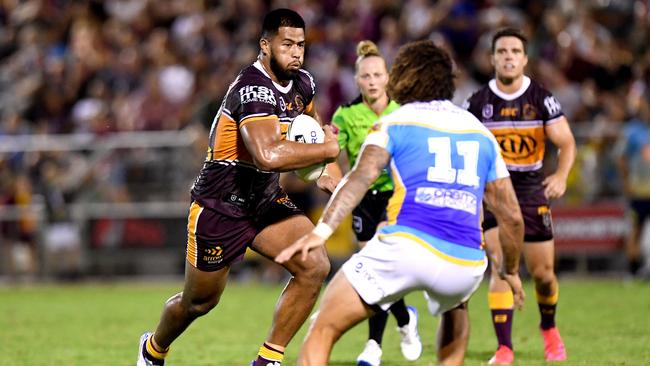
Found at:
[215, 240]
[537, 222]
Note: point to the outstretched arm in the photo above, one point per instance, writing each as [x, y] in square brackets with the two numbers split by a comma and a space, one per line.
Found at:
[346, 197]
[502, 202]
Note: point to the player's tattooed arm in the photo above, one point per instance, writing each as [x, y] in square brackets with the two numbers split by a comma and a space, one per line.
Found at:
[372, 160]
[347, 195]
[502, 202]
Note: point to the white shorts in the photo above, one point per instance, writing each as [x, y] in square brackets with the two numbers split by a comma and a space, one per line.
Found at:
[390, 266]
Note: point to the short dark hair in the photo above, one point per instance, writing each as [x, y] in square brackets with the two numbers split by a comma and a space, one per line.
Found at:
[421, 72]
[510, 32]
[281, 17]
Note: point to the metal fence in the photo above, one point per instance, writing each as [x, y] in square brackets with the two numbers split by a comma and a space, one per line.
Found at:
[117, 205]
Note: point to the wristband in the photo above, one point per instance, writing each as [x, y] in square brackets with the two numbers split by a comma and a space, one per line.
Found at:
[323, 230]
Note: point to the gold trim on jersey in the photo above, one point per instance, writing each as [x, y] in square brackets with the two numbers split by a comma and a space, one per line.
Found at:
[436, 128]
[192, 220]
[436, 251]
[252, 119]
[397, 199]
[227, 143]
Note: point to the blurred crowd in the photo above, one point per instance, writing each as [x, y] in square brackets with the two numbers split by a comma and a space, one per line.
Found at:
[99, 67]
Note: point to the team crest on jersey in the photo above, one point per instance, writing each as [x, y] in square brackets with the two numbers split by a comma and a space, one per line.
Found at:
[283, 105]
[300, 104]
[257, 93]
[530, 112]
[488, 111]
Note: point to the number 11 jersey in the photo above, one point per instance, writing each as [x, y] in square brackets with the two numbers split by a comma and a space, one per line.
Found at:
[441, 159]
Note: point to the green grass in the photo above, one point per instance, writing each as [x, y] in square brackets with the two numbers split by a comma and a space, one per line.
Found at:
[602, 322]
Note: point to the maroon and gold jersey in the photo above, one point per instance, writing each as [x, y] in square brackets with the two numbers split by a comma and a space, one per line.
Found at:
[229, 180]
[517, 121]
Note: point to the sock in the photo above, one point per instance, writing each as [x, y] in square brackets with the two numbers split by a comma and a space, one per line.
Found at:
[152, 352]
[501, 305]
[547, 305]
[401, 314]
[376, 326]
[268, 355]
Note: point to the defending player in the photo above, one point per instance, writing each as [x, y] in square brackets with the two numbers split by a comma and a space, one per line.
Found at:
[442, 161]
[522, 114]
[354, 121]
[237, 201]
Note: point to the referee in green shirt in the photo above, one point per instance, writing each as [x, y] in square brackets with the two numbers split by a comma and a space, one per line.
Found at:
[354, 121]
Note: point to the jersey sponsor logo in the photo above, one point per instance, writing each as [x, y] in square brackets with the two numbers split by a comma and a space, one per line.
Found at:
[517, 146]
[508, 112]
[552, 105]
[213, 255]
[372, 283]
[257, 93]
[488, 111]
[447, 198]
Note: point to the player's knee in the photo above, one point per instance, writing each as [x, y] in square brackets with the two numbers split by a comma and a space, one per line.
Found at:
[325, 332]
[321, 269]
[199, 308]
[543, 275]
[317, 268]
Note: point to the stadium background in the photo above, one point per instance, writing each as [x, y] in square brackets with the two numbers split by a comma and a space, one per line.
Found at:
[104, 111]
[105, 107]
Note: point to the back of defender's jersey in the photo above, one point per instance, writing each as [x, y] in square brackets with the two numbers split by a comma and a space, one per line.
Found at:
[442, 157]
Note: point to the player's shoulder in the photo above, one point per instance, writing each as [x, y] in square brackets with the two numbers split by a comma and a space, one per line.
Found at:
[480, 93]
[252, 75]
[346, 111]
[537, 87]
[353, 103]
[306, 81]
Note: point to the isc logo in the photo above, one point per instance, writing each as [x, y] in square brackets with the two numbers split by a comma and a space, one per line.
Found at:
[508, 112]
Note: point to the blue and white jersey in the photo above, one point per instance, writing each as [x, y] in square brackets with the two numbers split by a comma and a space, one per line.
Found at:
[441, 159]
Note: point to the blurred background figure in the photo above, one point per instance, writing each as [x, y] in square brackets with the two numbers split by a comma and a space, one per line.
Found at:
[634, 163]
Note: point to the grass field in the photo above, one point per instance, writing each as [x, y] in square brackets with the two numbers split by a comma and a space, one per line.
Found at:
[602, 322]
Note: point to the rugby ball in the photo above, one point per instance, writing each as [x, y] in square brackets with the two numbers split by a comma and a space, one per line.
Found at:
[307, 130]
